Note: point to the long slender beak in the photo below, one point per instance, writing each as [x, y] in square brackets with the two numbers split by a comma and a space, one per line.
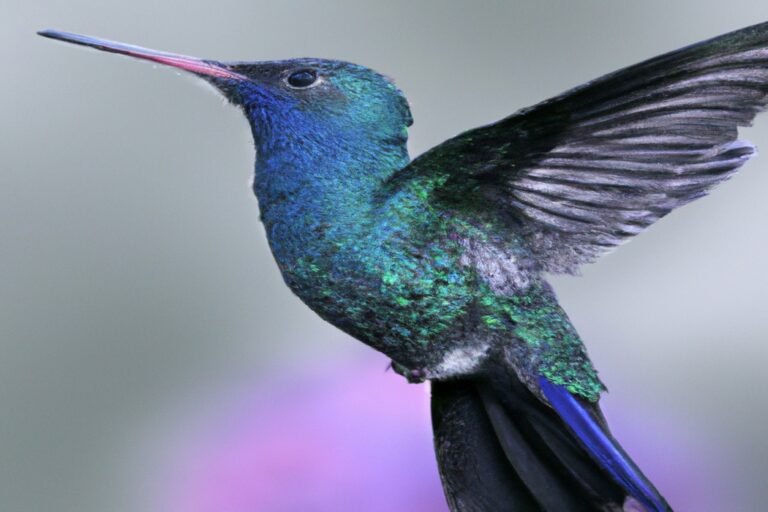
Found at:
[192, 64]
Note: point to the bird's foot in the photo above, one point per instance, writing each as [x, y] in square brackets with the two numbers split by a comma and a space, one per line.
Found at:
[416, 376]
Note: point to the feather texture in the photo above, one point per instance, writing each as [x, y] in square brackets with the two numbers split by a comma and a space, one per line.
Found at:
[602, 447]
[499, 447]
[587, 170]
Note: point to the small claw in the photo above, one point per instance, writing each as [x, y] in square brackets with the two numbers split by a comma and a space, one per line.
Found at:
[417, 376]
[413, 376]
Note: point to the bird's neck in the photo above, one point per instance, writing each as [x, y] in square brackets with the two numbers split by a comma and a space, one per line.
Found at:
[310, 196]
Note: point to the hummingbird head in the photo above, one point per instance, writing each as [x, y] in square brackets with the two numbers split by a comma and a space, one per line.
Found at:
[315, 99]
[307, 103]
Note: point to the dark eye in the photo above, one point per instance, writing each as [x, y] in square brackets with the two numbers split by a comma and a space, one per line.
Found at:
[302, 78]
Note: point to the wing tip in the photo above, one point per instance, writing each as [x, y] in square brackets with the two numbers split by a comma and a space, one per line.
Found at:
[742, 149]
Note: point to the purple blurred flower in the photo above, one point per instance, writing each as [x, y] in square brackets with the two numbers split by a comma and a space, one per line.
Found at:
[353, 437]
[350, 438]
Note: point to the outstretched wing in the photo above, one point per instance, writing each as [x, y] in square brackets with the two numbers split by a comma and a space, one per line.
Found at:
[586, 170]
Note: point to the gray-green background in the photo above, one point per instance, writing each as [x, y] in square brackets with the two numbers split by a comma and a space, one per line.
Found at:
[134, 274]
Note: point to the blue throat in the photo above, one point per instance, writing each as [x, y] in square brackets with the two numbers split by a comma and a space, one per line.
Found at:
[316, 184]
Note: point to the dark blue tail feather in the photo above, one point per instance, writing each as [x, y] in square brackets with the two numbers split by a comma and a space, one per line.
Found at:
[603, 447]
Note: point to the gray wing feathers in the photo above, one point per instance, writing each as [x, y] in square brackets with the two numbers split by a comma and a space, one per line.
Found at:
[587, 170]
[592, 205]
[637, 148]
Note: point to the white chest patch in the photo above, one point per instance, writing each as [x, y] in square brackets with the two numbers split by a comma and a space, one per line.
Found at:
[460, 361]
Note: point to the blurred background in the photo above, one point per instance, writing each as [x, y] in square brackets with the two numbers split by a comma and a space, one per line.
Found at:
[151, 359]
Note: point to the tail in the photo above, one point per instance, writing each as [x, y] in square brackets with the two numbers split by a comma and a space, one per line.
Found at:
[500, 448]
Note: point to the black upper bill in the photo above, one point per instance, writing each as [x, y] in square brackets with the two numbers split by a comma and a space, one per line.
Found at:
[192, 64]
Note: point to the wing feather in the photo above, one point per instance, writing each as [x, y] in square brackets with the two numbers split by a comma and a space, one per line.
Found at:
[587, 170]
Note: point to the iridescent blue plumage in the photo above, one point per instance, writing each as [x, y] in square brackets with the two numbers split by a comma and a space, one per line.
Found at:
[439, 263]
[602, 446]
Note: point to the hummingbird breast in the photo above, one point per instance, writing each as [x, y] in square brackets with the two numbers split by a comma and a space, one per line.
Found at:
[402, 278]
[436, 293]
[438, 290]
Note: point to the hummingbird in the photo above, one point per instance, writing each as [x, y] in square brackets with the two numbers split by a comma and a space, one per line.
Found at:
[440, 262]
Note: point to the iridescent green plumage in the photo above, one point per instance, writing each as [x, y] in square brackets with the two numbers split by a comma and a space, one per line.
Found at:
[402, 275]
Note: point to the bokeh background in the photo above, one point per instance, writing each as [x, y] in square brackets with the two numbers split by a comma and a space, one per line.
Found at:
[151, 358]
